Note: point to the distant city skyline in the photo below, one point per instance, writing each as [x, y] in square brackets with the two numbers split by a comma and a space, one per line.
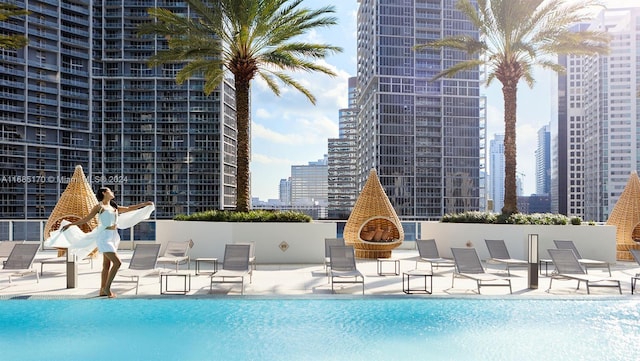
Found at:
[288, 130]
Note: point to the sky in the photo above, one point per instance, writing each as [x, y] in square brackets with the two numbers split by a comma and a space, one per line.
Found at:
[289, 130]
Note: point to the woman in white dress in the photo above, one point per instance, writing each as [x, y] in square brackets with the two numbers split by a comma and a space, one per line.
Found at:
[105, 236]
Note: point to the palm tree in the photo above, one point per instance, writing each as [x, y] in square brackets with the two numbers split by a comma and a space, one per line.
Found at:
[247, 38]
[516, 36]
[12, 41]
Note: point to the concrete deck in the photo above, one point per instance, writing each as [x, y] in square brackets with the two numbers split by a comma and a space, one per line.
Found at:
[303, 280]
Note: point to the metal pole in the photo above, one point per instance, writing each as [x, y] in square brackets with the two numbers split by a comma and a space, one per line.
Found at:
[72, 270]
[532, 242]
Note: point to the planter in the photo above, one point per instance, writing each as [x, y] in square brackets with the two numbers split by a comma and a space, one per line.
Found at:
[284, 243]
[595, 242]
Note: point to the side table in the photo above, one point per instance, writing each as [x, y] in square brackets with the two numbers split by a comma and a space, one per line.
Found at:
[546, 263]
[396, 266]
[183, 290]
[213, 261]
[406, 277]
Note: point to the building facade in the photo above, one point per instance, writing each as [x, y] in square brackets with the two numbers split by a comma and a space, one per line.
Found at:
[496, 174]
[342, 165]
[81, 92]
[309, 183]
[543, 161]
[423, 137]
[599, 130]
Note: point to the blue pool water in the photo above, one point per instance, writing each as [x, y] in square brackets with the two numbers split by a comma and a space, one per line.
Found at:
[320, 329]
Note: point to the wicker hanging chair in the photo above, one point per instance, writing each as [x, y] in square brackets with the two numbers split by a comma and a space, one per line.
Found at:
[373, 228]
[626, 217]
[76, 202]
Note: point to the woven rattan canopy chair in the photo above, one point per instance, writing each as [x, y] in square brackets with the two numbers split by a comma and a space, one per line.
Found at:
[76, 201]
[373, 228]
[626, 217]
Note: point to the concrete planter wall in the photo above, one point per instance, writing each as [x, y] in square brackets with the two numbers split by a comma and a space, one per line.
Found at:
[595, 242]
[274, 242]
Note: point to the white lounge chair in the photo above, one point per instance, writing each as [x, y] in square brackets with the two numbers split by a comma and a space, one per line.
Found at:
[176, 253]
[143, 263]
[500, 254]
[583, 261]
[61, 260]
[343, 267]
[468, 265]
[235, 266]
[568, 267]
[20, 261]
[428, 252]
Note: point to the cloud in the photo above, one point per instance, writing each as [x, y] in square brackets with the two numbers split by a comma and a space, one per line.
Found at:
[259, 158]
[300, 131]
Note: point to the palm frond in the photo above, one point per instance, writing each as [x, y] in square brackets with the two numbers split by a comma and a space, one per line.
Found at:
[472, 64]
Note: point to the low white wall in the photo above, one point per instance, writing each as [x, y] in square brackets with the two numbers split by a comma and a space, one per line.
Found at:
[305, 240]
[594, 242]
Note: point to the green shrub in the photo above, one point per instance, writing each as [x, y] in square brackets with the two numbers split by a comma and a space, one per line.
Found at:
[576, 221]
[251, 216]
[516, 218]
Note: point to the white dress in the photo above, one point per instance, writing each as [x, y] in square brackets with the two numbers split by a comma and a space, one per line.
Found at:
[107, 240]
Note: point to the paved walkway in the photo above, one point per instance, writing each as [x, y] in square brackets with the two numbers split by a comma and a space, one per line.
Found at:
[303, 280]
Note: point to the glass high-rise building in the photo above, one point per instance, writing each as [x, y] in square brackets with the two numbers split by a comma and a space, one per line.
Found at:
[424, 138]
[81, 92]
[496, 163]
[342, 169]
[596, 135]
[543, 162]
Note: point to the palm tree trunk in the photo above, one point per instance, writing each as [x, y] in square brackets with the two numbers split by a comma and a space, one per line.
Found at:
[243, 147]
[509, 93]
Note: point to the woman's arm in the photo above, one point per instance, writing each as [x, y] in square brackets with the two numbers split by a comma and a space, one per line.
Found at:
[123, 209]
[86, 219]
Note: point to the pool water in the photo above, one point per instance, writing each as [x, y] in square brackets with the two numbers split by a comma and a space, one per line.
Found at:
[320, 329]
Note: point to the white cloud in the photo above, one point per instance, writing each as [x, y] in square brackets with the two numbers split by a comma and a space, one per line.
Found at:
[265, 159]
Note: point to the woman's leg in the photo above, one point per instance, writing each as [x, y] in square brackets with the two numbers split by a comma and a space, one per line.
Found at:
[106, 265]
[115, 260]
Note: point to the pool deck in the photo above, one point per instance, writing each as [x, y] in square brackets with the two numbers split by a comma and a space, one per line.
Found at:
[292, 280]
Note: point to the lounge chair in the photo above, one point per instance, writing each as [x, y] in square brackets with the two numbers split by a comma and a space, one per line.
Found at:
[235, 266]
[468, 265]
[343, 266]
[5, 249]
[143, 263]
[583, 261]
[176, 253]
[252, 254]
[20, 261]
[328, 243]
[428, 252]
[61, 260]
[635, 253]
[569, 267]
[500, 254]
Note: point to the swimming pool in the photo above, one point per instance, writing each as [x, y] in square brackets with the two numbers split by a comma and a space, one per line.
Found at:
[320, 329]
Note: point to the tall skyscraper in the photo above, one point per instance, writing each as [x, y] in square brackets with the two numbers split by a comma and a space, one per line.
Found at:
[284, 191]
[599, 130]
[496, 164]
[342, 171]
[543, 162]
[82, 93]
[423, 137]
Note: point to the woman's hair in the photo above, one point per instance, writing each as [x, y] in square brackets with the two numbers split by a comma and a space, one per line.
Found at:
[100, 196]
